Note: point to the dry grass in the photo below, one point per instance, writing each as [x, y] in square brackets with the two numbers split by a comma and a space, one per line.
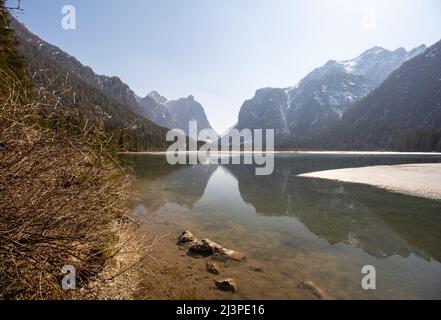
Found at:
[63, 201]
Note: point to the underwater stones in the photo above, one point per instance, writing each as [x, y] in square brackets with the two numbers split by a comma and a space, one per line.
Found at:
[226, 285]
[313, 289]
[212, 267]
[186, 237]
[226, 254]
[256, 269]
[206, 246]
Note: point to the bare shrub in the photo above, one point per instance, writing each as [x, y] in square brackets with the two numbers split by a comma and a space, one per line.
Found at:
[63, 198]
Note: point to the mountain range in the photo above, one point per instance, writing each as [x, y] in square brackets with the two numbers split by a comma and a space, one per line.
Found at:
[174, 113]
[123, 110]
[303, 113]
[403, 113]
[105, 102]
[380, 100]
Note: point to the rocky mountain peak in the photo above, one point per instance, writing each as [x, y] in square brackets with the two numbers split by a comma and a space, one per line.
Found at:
[377, 63]
[188, 109]
[155, 95]
[323, 96]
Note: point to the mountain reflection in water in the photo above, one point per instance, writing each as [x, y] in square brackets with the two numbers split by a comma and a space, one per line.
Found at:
[380, 223]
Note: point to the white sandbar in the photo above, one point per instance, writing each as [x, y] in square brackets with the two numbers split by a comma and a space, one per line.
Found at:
[421, 180]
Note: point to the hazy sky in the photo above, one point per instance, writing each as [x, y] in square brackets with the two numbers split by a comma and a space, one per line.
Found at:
[221, 51]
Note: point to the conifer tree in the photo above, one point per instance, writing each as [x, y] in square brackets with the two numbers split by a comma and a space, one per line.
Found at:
[10, 60]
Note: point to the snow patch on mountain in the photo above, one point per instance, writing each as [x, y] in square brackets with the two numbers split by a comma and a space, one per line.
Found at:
[324, 95]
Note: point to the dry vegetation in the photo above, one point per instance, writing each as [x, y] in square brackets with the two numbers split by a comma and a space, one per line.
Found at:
[63, 201]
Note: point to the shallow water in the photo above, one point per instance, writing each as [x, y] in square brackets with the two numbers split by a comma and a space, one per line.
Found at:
[298, 228]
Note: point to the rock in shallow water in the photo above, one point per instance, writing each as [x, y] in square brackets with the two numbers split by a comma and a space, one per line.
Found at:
[226, 254]
[226, 285]
[256, 269]
[186, 237]
[212, 267]
[313, 289]
[206, 246]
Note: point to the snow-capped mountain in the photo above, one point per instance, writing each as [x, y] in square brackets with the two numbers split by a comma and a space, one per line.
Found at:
[403, 113]
[323, 96]
[377, 63]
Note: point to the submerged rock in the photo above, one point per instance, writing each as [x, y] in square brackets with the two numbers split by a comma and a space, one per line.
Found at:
[186, 237]
[206, 246]
[256, 269]
[212, 267]
[226, 285]
[313, 289]
[226, 254]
